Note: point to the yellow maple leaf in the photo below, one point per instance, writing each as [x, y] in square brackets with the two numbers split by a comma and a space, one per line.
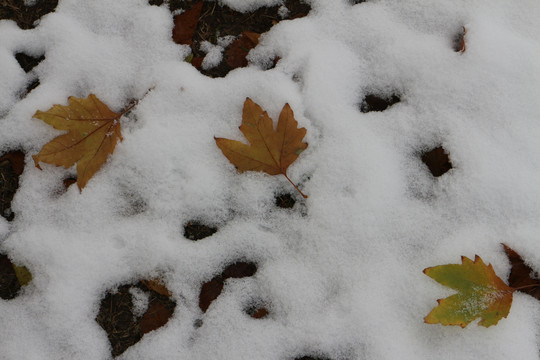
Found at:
[93, 132]
[270, 151]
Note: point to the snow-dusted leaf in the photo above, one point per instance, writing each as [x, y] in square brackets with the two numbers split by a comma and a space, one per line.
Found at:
[481, 294]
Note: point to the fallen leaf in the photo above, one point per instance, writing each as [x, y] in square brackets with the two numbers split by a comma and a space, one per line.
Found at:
[213, 288]
[185, 24]
[521, 275]
[155, 317]
[459, 41]
[210, 292]
[93, 131]
[271, 151]
[16, 159]
[23, 274]
[236, 53]
[258, 313]
[481, 294]
[156, 284]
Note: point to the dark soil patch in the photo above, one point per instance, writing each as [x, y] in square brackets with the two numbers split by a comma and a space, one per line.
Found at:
[216, 21]
[210, 290]
[116, 316]
[25, 16]
[11, 167]
[195, 230]
[437, 161]
[9, 284]
[375, 102]
[285, 201]
[28, 62]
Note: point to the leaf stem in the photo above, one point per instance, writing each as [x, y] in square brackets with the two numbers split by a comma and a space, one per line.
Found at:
[526, 287]
[296, 187]
[135, 103]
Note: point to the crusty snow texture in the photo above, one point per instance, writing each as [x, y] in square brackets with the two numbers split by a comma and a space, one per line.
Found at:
[342, 271]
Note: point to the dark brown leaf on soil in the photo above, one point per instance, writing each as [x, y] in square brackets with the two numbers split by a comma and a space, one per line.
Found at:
[236, 52]
[155, 317]
[9, 284]
[195, 230]
[374, 102]
[437, 161]
[210, 290]
[25, 16]
[522, 274]
[186, 23]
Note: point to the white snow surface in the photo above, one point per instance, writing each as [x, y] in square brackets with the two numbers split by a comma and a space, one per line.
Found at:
[342, 270]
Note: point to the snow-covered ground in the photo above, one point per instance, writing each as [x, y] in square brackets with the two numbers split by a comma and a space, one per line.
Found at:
[342, 270]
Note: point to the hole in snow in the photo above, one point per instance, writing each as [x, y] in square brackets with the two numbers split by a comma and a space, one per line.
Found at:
[437, 161]
[11, 167]
[195, 230]
[285, 201]
[377, 102]
[9, 284]
[28, 62]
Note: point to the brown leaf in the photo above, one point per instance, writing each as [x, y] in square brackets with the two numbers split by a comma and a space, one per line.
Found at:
[459, 41]
[93, 131]
[185, 24]
[156, 284]
[521, 274]
[213, 288]
[270, 151]
[210, 292]
[258, 313]
[155, 317]
[16, 159]
[236, 52]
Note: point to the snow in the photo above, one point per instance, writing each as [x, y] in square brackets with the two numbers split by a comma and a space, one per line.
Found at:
[342, 270]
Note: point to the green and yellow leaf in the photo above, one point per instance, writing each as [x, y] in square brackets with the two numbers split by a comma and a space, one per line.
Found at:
[481, 294]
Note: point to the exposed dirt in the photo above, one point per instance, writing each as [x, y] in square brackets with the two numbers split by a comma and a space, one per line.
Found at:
[25, 16]
[11, 167]
[217, 21]
[437, 161]
[9, 284]
[117, 317]
[376, 102]
[195, 230]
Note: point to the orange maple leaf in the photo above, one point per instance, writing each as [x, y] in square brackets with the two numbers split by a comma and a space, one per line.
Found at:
[93, 131]
[271, 151]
